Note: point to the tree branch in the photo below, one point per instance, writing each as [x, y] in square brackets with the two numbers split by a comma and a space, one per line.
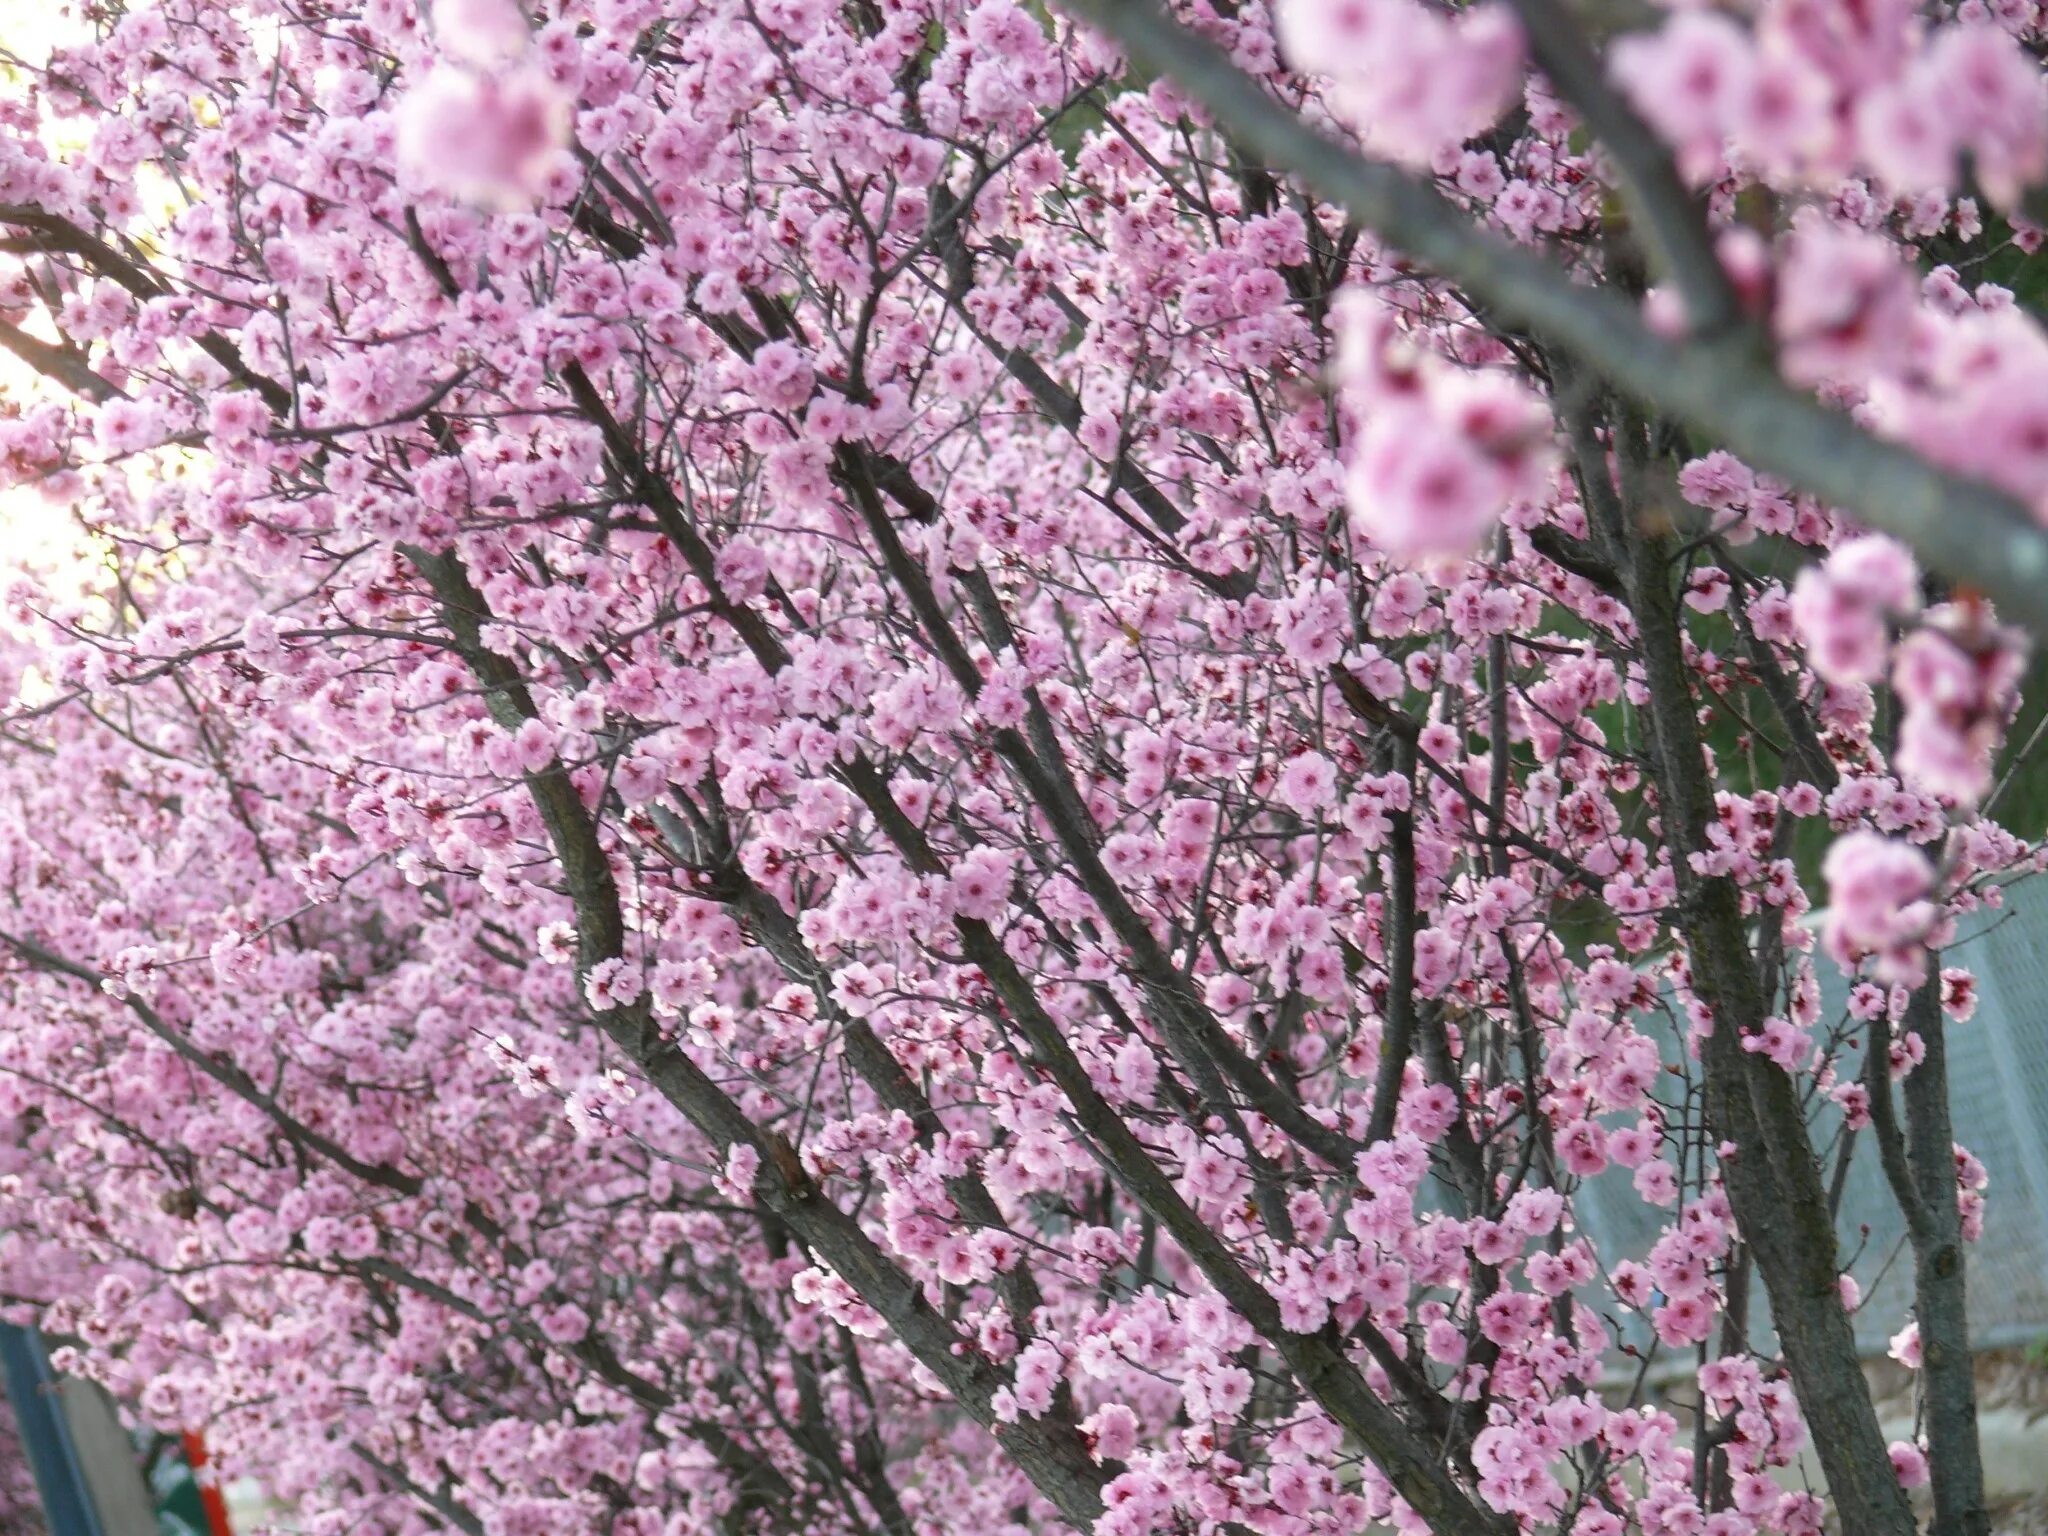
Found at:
[1722, 385]
[1940, 1296]
[1675, 220]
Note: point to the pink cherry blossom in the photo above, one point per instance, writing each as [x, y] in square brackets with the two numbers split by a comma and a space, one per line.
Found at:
[492, 138]
[1878, 903]
[1411, 79]
[1843, 607]
[1909, 1464]
[1844, 306]
[481, 33]
[1442, 451]
[1957, 679]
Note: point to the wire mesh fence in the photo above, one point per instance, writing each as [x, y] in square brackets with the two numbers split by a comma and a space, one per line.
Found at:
[1998, 1067]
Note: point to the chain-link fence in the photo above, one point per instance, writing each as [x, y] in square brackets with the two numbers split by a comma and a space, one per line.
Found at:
[1998, 1071]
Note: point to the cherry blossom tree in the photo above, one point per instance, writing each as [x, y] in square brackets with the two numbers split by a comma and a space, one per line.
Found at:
[929, 765]
[17, 1485]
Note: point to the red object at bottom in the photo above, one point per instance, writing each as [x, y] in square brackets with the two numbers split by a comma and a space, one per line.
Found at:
[209, 1493]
